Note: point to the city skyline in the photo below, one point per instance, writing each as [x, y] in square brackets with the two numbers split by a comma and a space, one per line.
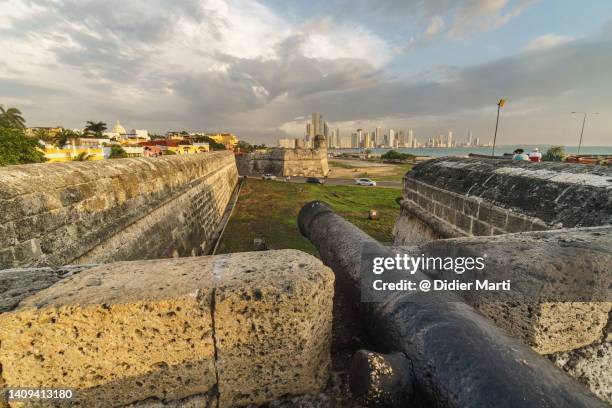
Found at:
[258, 69]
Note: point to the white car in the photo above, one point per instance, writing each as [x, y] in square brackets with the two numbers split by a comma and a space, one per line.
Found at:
[268, 176]
[365, 182]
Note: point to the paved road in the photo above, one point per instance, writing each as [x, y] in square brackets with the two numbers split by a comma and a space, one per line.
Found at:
[360, 163]
[345, 182]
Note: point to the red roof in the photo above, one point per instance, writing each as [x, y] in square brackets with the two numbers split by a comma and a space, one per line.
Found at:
[169, 143]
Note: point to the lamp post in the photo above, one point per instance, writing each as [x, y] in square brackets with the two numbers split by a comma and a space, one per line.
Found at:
[582, 129]
[500, 104]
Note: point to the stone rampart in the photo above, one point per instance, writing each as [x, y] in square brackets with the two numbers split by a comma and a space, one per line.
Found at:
[127, 209]
[284, 162]
[226, 331]
[550, 207]
[454, 197]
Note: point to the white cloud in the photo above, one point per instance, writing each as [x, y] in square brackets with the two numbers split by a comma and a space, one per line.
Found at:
[435, 26]
[547, 41]
[240, 66]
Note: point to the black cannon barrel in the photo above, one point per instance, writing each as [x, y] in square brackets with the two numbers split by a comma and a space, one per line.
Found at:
[459, 357]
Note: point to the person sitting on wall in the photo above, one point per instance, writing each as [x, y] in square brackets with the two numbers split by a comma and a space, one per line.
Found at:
[519, 154]
[535, 155]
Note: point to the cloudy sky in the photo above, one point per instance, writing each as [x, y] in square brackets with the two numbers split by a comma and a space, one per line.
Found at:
[258, 68]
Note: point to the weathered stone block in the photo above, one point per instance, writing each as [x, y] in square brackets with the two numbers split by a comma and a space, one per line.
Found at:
[481, 228]
[518, 223]
[463, 222]
[491, 214]
[249, 327]
[117, 333]
[591, 365]
[550, 327]
[273, 316]
[470, 206]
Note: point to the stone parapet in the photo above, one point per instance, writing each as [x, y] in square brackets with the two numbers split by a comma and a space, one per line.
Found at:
[284, 162]
[239, 329]
[55, 214]
[458, 197]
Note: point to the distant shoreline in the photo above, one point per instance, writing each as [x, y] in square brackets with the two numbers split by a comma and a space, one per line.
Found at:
[464, 151]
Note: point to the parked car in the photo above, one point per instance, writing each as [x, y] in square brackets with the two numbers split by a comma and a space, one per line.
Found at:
[315, 180]
[365, 182]
[268, 176]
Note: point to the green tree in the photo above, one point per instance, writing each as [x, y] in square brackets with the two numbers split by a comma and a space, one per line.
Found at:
[12, 117]
[16, 148]
[44, 135]
[168, 152]
[555, 154]
[395, 155]
[117, 152]
[244, 146]
[62, 137]
[94, 129]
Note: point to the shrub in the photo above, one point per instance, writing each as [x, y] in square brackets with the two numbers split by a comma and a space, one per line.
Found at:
[395, 155]
[555, 154]
[117, 152]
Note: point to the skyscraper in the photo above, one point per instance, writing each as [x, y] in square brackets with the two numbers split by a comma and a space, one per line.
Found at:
[318, 126]
[392, 139]
[378, 137]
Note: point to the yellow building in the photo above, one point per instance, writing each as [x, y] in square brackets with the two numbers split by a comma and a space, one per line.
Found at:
[228, 140]
[187, 149]
[56, 154]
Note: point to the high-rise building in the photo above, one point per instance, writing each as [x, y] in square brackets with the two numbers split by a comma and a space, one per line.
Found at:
[318, 126]
[392, 139]
[410, 141]
[378, 137]
[449, 141]
[367, 140]
[469, 138]
[325, 130]
[355, 140]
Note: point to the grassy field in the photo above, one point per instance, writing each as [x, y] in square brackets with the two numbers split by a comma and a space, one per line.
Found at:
[395, 172]
[269, 209]
[357, 168]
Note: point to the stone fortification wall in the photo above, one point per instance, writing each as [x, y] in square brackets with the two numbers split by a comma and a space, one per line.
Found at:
[104, 211]
[215, 331]
[284, 162]
[455, 197]
[553, 206]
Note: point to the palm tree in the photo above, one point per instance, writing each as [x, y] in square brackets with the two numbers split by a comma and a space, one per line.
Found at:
[83, 156]
[62, 137]
[12, 116]
[95, 128]
[44, 135]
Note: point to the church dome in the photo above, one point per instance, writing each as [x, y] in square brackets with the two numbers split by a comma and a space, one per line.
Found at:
[119, 129]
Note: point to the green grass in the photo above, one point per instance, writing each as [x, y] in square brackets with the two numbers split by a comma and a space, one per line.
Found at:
[269, 209]
[342, 165]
